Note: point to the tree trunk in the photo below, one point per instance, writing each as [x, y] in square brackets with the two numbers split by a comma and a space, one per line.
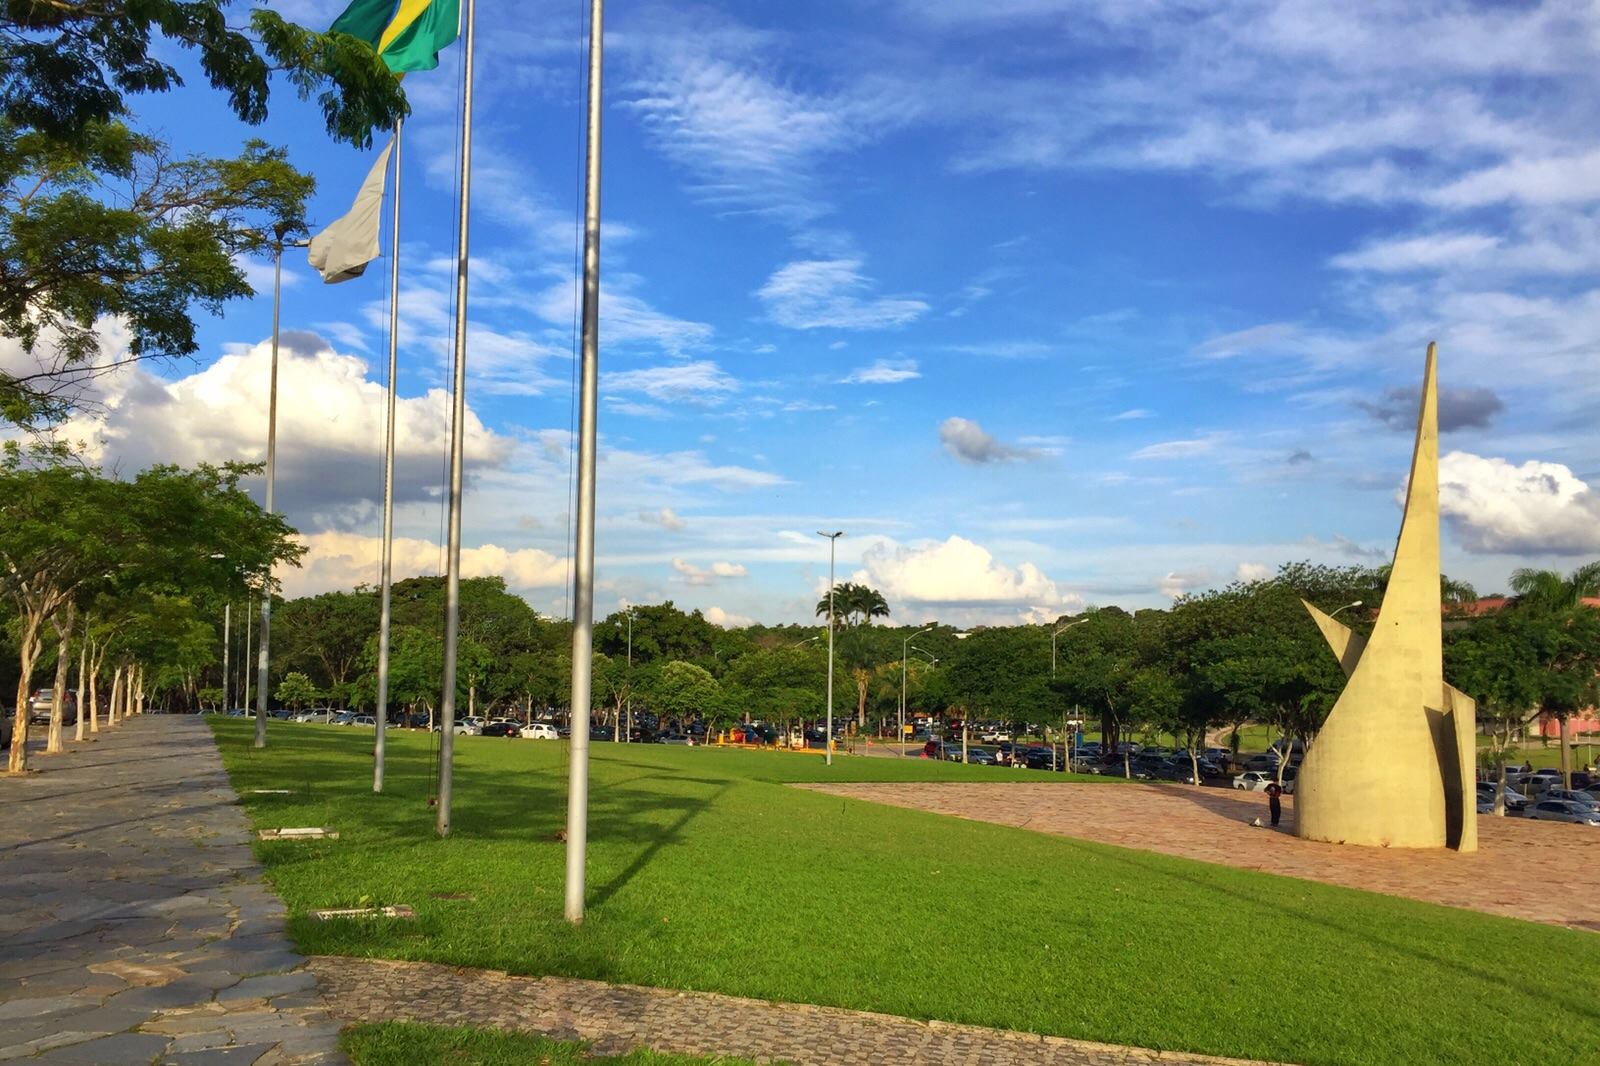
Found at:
[1500, 790]
[58, 694]
[83, 670]
[116, 698]
[94, 691]
[1566, 751]
[29, 653]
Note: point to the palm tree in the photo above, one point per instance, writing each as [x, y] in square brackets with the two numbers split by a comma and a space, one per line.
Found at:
[1548, 590]
[868, 603]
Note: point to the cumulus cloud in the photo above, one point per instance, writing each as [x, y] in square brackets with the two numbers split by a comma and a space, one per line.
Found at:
[666, 518]
[1179, 582]
[882, 372]
[1251, 572]
[727, 619]
[340, 560]
[1493, 505]
[330, 426]
[966, 440]
[694, 575]
[961, 575]
[811, 293]
[1458, 408]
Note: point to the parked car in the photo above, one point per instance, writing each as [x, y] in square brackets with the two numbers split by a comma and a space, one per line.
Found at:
[675, 738]
[602, 732]
[1266, 761]
[364, 719]
[466, 727]
[1042, 759]
[1541, 779]
[500, 729]
[980, 757]
[1571, 795]
[345, 718]
[1253, 781]
[39, 705]
[1515, 801]
[538, 731]
[1563, 811]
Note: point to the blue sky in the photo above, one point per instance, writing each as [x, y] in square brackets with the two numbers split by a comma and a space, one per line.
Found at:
[1045, 303]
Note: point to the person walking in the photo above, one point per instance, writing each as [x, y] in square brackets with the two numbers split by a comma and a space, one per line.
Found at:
[1275, 802]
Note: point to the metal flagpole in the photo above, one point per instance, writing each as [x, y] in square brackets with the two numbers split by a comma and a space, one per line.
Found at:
[244, 656]
[583, 550]
[227, 645]
[458, 414]
[387, 567]
[827, 741]
[272, 459]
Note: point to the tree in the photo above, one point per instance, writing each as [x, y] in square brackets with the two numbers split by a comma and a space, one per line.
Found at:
[1547, 590]
[99, 221]
[324, 636]
[296, 690]
[68, 534]
[683, 690]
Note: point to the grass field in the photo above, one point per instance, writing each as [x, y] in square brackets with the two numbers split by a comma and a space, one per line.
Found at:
[706, 873]
[402, 1044]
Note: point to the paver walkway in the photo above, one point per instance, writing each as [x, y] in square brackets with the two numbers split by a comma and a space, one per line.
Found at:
[619, 1018]
[1538, 871]
[135, 927]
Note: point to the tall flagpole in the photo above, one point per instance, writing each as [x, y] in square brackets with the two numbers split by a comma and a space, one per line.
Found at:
[272, 459]
[386, 576]
[458, 414]
[583, 552]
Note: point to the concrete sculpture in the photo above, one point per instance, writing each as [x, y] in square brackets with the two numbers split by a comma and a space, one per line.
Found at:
[1393, 764]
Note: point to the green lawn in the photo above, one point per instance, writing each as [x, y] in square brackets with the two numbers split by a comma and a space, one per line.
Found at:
[404, 1044]
[706, 873]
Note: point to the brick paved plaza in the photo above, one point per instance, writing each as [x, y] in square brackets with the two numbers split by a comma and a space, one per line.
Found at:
[1537, 871]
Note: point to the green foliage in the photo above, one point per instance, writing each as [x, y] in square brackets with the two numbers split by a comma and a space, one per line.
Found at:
[683, 690]
[296, 690]
[69, 65]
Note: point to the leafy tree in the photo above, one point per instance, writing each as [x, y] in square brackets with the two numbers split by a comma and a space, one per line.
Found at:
[98, 220]
[683, 690]
[1548, 590]
[296, 690]
[324, 636]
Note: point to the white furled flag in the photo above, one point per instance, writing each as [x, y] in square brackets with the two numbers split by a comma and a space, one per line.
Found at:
[343, 250]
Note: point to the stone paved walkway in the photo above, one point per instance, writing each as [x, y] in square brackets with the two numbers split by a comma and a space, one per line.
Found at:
[135, 927]
[619, 1018]
[1538, 871]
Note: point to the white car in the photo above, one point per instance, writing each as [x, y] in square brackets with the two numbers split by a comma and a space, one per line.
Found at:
[365, 719]
[1253, 781]
[538, 731]
[469, 727]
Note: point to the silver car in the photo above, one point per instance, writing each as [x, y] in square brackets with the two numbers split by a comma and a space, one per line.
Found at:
[1563, 811]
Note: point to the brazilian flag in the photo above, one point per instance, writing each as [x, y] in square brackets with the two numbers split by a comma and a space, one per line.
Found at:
[407, 34]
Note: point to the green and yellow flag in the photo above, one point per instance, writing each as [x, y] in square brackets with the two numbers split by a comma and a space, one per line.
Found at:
[408, 34]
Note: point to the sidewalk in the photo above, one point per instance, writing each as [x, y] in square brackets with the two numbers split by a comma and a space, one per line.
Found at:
[619, 1018]
[136, 927]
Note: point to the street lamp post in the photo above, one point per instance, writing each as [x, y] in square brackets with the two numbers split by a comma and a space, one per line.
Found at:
[227, 645]
[905, 646]
[1346, 607]
[827, 741]
[630, 683]
[1073, 739]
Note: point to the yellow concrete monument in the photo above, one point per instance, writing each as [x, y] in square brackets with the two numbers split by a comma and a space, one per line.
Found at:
[1393, 764]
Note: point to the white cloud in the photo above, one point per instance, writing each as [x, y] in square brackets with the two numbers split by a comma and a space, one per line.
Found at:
[627, 317]
[702, 383]
[330, 427]
[694, 575]
[666, 518]
[339, 560]
[813, 293]
[958, 578]
[1252, 572]
[727, 619]
[966, 440]
[1536, 508]
[1132, 415]
[1176, 449]
[1421, 253]
[1178, 582]
[883, 372]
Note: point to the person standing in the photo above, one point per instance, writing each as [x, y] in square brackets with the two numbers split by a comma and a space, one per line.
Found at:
[1275, 802]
